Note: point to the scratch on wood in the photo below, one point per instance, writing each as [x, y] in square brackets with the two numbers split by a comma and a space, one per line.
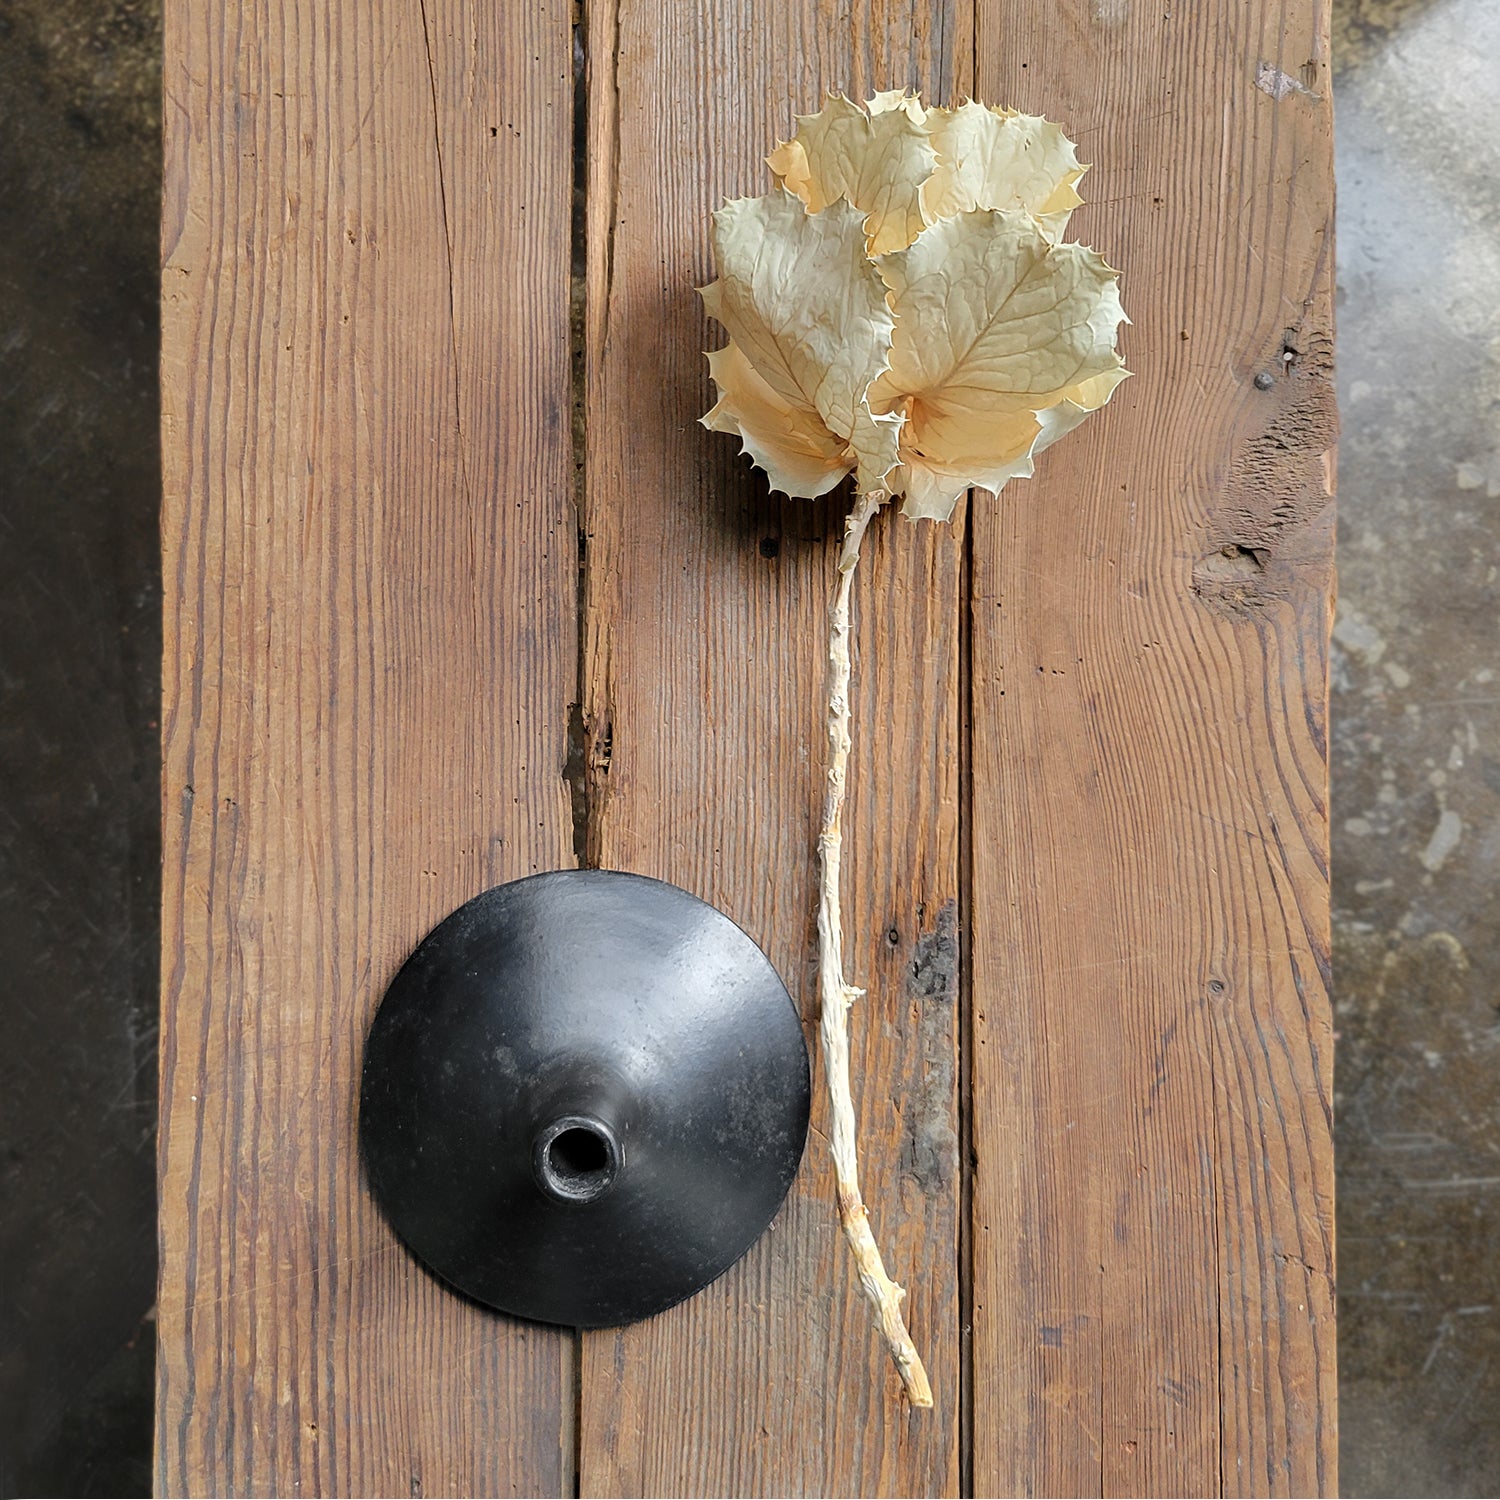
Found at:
[442, 174]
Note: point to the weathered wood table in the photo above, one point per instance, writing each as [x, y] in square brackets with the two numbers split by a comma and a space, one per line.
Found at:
[457, 590]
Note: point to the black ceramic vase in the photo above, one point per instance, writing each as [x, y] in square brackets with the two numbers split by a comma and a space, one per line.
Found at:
[585, 1097]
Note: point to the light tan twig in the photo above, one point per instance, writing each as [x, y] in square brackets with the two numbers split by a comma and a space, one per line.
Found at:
[837, 995]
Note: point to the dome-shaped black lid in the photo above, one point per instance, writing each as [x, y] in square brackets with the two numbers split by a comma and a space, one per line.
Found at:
[585, 1097]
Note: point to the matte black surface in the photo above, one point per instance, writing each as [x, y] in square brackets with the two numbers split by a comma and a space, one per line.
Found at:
[585, 1097]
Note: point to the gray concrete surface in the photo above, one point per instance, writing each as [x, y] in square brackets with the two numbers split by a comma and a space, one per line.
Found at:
[1416, 747]
[1416, 753]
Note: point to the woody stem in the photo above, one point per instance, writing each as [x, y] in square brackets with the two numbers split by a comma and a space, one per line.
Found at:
[837, 996]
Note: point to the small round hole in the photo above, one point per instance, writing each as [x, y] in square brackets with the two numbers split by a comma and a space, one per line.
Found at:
[576, 1159]
[577, 1154]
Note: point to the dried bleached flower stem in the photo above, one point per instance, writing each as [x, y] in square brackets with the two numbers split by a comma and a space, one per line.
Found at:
[902, 305]
[837, 994]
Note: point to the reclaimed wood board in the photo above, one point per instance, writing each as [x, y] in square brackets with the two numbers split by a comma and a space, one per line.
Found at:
[441, 611]
[1148, 808]
[713, 778]
[369, 654]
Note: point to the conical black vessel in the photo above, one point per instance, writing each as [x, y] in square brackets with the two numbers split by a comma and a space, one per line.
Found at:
[585, 1096]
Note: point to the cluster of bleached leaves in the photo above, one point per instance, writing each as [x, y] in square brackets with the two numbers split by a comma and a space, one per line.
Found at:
[901, 304]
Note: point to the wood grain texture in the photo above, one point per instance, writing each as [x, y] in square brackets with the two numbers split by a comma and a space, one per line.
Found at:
[1089, 749]
[704, 675]
[369, 564]
[1152, 1200]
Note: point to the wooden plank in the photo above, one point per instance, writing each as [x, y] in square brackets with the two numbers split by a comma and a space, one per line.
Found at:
[1152, 1214]
[706, 624]
[370, 649]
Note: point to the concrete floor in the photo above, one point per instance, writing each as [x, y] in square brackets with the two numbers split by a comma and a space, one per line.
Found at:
[80, 641]
[1416, 750]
